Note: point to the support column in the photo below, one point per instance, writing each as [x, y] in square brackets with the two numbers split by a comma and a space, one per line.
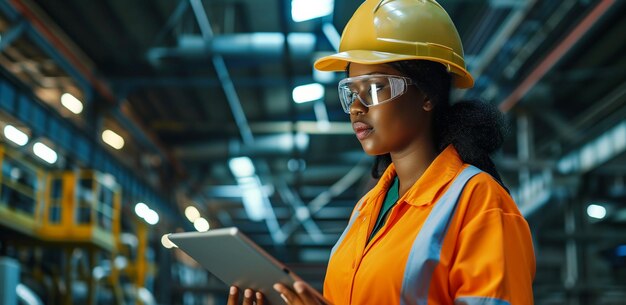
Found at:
[524, 146]
[571, 271]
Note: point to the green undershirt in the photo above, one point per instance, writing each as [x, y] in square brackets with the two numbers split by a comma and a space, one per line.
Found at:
[393, 194]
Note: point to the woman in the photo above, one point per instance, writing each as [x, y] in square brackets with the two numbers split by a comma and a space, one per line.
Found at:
[439, 227]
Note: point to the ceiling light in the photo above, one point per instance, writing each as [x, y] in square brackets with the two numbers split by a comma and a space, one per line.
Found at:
[302, 10]
[152, 217]
[308, 93]
[15, 135]
[141, 209]
[45, 153]
[596, 211]
[241, 167]
[192, 213]
[72, 103]
[113, 139]
[201, 224]
[253, 202]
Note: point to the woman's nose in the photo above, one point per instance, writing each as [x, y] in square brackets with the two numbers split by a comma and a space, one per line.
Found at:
[357, 107]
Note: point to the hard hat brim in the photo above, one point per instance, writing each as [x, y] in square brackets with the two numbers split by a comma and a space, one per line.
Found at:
[338, 62]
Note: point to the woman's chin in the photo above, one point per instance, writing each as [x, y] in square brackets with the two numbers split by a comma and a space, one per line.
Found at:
[372, 150]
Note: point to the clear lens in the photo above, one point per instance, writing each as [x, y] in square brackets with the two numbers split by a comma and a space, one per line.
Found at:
[371, 90]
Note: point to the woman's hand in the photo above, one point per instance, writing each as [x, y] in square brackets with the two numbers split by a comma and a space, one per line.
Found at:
[301, 294]
[249, 297]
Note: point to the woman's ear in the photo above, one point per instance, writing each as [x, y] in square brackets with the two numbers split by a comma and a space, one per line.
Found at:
[428, 104]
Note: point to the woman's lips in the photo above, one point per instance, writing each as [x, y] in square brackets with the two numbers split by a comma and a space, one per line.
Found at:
[362, 130]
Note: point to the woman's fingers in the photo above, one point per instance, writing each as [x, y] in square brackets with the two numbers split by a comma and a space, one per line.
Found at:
[260, 299]
[233, 296]
[305, 294]
[287, 294]
[248, 297]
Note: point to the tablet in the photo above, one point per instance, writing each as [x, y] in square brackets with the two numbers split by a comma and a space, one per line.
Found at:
[236, 260]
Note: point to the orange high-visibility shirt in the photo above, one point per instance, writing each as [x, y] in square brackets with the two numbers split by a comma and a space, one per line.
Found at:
[455, 237]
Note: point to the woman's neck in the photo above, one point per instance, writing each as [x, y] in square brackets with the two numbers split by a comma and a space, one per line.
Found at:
[411, 164]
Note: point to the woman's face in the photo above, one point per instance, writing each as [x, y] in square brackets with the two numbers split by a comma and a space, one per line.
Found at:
[394, 126]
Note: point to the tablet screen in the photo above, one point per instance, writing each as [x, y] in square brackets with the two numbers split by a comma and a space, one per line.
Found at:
[236, 260]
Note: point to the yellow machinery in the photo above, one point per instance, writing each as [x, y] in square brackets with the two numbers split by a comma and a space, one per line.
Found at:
[82, 210]
[21, 192]
[70, 211]
[139, 267]
[82, 207]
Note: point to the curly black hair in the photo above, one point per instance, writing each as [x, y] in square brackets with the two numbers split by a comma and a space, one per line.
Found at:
[475, 128]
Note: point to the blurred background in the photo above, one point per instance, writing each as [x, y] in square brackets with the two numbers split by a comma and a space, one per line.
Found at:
[125, 120]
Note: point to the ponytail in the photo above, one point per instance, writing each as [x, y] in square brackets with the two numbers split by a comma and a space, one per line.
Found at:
[475, 128]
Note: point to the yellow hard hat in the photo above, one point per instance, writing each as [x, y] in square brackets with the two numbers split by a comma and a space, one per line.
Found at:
[382, 31]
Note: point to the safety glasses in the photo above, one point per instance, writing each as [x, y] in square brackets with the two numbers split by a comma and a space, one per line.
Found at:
[371, 90]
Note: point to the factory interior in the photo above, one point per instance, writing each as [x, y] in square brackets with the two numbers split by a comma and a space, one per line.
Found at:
[123, 121]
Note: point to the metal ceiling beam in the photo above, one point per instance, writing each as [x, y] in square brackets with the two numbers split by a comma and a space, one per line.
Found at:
[607, 146]
[512, 22]
[555, 120]
[539, 188]
[556, 54]
[324, 198]
[172, 21]
[237, 110]
[10, 35]
[329, 219]
[223, 74]
[542, 28]
[607, 107]
[301, 211]
[591, 155]
[513, 163]
[331, 33]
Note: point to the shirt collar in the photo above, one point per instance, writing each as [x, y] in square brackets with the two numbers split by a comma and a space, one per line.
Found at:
[436, 177]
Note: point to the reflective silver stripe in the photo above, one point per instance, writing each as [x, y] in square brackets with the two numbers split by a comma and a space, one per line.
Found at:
[354, 216]
[479, 301]
[426, 249]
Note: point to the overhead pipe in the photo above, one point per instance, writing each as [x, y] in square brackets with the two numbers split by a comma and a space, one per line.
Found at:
[266, 46]
[271, 145]
[556, 54]
[502, 35]
[131, 83]
[87, 72]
